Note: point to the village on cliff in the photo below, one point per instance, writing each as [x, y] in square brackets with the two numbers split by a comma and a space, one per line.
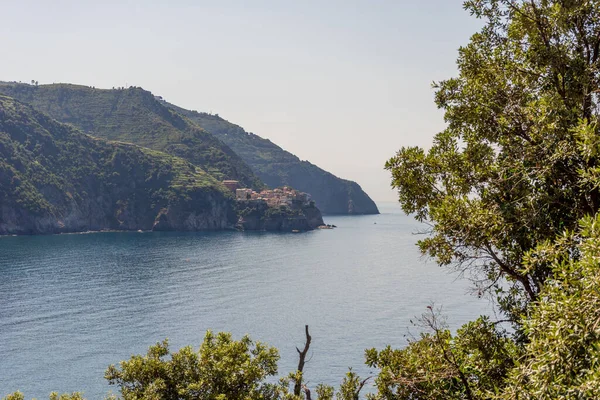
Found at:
[284, 196]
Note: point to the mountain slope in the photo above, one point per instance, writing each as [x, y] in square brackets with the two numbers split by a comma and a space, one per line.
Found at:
[54, 178]
[277, 167]
[134, 115]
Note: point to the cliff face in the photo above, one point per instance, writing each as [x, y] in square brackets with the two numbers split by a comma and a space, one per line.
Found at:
[277, 167]
[256, 215]
[55, 179]
[135, 116]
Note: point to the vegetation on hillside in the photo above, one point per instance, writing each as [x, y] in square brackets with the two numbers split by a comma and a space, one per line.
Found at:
[54, 178]
[277, 167]
[135, 116]
[226, 151]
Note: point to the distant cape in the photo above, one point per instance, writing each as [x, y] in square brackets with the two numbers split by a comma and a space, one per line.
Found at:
[222, 149]
[277, 167]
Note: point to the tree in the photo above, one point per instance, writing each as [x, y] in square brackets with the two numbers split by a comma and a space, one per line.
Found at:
[562, 358]
[297, 377]
[222, 369]
[14, 396]
[510, 171]
[503, 189]
[438, 365]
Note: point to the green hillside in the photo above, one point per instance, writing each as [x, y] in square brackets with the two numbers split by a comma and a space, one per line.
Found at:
[135, 116]
[53, 178]
[277, 167]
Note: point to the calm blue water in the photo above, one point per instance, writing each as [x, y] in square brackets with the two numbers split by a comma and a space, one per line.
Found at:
[70, 305]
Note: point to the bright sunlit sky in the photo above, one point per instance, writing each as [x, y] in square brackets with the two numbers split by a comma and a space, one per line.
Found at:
[343, 84]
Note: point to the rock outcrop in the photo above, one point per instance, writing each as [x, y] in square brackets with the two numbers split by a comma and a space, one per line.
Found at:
[256, 215]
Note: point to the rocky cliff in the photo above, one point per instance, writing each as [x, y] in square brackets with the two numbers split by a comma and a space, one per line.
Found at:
[54, 179]
[256, 215]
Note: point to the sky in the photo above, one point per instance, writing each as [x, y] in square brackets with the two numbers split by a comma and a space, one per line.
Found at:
[342, 84]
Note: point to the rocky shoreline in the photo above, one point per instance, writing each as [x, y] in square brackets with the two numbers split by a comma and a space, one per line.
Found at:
[256, 215]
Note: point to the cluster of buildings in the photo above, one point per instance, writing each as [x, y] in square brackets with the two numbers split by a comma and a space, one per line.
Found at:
[284, 196]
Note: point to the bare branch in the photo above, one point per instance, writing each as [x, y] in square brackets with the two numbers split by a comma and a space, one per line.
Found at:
[301, 361]
[306, 392]
[362, 384]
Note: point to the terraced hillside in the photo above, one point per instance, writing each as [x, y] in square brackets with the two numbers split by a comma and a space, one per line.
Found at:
[134, 116]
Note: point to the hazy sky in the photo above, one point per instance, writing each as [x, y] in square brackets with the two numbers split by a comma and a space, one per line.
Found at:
[343, 84]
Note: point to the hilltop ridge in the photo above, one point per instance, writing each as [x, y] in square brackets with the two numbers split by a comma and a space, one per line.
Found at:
[135, 116]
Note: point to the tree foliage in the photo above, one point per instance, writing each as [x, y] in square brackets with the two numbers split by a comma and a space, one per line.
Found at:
[504, 188]
[562, 358]
[438, 365]
[221, 369]
[510, 171]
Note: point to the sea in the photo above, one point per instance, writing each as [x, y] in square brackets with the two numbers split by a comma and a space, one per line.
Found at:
[71, 305]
